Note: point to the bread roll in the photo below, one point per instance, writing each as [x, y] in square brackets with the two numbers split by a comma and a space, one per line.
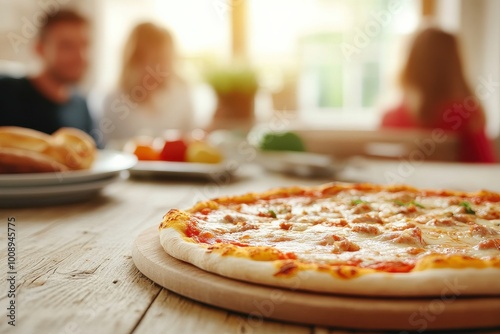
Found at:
[78, 142]
[29, 151]
[13, 160]
[25, 139]
[64, 154]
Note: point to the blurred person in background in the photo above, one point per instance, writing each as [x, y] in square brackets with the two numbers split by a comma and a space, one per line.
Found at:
[157, 98]
[47, 101]
[437, 95]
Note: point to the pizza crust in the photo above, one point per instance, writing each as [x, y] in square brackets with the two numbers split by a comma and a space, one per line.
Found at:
[443, 283]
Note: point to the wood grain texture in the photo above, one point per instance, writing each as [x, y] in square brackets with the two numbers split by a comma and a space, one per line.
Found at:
[180, 315]
[77, 269]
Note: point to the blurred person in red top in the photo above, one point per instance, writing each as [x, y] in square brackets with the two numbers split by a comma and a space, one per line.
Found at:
[437, 95]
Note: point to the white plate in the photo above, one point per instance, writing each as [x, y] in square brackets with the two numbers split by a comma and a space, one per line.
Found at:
[303, 164]
[182, 169]
[54, 194]
[108, 163]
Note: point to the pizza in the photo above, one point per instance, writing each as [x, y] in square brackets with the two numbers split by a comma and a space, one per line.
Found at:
[358, 239]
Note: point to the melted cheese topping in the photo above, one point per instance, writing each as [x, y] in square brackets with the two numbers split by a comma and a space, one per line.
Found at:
[366, 229]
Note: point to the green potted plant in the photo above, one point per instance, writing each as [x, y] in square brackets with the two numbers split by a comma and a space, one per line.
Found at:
[235, 87]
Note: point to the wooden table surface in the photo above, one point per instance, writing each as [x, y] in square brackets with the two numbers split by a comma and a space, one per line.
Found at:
[75, 273]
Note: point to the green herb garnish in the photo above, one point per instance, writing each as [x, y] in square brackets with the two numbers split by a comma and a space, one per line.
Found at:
[418, 205]
[468, 208]
[272, 213]
[358, 201]
[401, 203]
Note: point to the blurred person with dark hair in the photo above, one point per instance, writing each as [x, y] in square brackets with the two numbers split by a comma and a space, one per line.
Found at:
[47, 101]
[436, 95]
[156, 97]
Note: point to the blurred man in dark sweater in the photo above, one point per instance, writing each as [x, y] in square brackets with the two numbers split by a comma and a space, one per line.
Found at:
[47, 102]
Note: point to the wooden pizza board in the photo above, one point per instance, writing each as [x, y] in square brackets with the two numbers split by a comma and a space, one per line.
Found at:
[258, 301]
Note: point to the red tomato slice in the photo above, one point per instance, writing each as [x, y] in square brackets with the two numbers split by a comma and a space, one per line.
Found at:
[174, 150]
